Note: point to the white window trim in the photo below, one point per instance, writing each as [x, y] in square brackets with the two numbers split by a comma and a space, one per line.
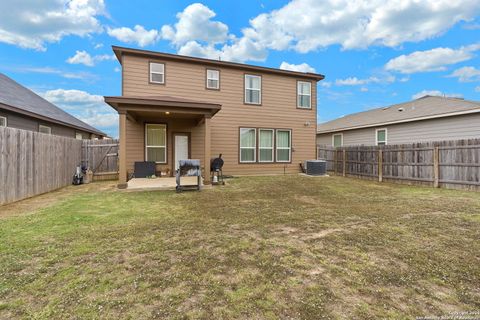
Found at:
[217, 79]
[78, 134]
[5, 120]
[156, 72]
[376, 135]
[333, 139]
[49, 129]
[255, 89]
[240, 146]
[283, 148]
[264, 148]
[309, 95]
[156, 146]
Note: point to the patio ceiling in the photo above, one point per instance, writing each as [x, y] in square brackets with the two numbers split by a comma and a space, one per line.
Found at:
[150, 106]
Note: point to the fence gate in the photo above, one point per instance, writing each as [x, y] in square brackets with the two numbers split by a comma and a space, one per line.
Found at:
[101, 156]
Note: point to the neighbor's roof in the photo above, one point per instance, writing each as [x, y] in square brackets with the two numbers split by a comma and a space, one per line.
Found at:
[427, 107]
[17, 98]
[168, 56]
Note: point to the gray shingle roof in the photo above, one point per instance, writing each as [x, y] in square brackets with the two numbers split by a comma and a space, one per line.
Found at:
[17, 96]
[423, 108]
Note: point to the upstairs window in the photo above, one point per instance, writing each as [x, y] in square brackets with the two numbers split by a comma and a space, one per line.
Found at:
[248, 145]
[157, 73]
[213, 79]
[337, 140]
[304, 95]
[3, 121]
[44, 129]
[78, 136]
[265, 145]
[253, 89]
[284, 145]
[381, 137]
[156, 143]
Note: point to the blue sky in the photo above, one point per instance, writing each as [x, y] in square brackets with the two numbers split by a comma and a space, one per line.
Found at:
[373, 53]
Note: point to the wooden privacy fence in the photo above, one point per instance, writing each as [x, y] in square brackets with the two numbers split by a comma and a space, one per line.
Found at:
[32, 163]
[449, 164]
[101, 156]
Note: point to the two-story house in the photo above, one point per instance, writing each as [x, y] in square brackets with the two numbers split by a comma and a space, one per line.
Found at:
[262, 120]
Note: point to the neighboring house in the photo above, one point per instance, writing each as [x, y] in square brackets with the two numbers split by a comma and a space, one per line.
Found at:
[425, 119]
[23, 109]
[262, 120]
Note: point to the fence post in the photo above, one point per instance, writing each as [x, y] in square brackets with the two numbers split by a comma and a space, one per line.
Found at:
[344, 162]
[335, 162]
[436, 167]
[380, 165]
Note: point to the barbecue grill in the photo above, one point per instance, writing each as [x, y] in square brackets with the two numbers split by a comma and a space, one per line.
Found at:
[216, 165]
[188, 168]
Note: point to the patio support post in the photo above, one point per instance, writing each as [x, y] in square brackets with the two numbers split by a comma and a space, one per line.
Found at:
[207, 152]
[122, 157]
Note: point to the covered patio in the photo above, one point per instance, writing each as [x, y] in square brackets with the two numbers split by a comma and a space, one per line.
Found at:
[187, 131]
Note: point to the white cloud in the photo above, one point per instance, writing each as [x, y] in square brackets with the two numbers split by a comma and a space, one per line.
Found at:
[195, 34]
[98, 46]
[325, 84]
[307, 25]
[83, 57]
[69, 97]
[241, 50]
[87, 76]
[100, 120]
[477, 89]
[32, 23]
[354, 81]
[364, 89]
[466, 74]
[87, 107]
[138, 35]
[430, 60]
[435, 93]
[195, 24]
[303, 67]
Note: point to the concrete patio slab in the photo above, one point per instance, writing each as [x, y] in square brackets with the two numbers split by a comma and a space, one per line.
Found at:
[163, 183]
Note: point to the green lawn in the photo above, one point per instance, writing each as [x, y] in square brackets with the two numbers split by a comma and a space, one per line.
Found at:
[287, 247]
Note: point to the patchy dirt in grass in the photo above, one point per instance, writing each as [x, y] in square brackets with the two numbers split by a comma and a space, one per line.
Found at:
[33, 204]
[298, 248]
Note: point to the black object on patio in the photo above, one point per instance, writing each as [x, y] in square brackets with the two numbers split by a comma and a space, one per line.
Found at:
[144, 169]
[216, 165]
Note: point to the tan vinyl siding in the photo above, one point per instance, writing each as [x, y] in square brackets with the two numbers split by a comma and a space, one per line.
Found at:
[278, 109]
[449, 128]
